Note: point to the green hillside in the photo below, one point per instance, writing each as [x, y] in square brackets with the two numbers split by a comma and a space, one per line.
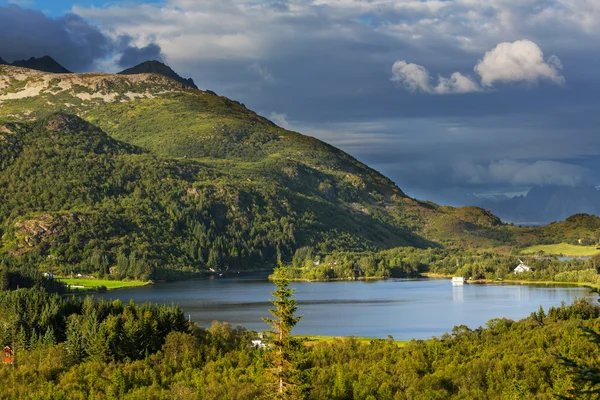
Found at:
[74, 196]
[140, 176]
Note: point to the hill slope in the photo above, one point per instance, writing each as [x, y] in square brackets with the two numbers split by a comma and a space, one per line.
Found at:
[71, 195]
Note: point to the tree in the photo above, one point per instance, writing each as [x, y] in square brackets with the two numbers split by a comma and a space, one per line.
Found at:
[585, 378]
[4, 280]
[283, 350]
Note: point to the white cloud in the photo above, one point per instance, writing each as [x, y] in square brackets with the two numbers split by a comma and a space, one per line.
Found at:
[242, 29]
[520, 61]
[457, 83]
[416, 78]
[280, 119]
[262, 72]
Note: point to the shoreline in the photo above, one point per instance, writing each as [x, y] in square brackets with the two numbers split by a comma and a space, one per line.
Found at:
[424, 275]
[527, 282]
[432, 275]
[312, 340]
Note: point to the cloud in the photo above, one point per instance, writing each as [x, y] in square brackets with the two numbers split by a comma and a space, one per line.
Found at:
[70, 39]
[517, 173]
[520, 61]
[133, 55]
[262, 72]
[280, 119]
[416, 78]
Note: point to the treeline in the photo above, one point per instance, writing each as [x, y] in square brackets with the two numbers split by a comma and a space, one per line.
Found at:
[506, 359]
[22, 272]
[310, 264]
[99, 330]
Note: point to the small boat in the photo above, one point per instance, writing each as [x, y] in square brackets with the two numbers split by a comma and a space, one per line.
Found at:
[458, 280]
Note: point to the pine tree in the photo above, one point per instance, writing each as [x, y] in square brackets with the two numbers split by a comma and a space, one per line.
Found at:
[585, 378]
[283, 350]
[4, 280]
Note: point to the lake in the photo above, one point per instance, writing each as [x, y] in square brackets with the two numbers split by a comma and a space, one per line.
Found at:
[403, 308]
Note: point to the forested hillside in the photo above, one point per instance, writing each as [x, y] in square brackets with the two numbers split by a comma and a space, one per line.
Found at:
[74, 196]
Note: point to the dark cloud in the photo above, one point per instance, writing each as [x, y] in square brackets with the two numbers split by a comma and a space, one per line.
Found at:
[70, 40]
[133, 55]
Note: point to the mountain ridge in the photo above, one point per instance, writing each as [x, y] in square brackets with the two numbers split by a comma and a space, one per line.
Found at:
[43, 64]
[543, 205]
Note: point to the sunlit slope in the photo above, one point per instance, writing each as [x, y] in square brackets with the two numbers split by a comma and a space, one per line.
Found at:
[72, 195]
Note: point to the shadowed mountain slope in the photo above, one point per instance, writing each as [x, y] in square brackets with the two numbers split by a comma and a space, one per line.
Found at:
[44, 64]
[156, 67]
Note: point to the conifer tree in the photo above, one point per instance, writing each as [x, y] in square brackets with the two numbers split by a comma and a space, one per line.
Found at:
[585, 378]
[283, 350]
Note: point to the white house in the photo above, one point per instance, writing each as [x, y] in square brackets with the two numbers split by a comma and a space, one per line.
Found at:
[258, 343]
[522, 268]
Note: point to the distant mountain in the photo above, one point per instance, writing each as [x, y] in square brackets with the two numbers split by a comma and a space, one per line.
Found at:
[2, 62]
[44, 64]
[156, 67]
[543, 205]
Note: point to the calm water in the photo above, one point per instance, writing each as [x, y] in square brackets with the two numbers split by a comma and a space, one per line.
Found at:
[404, 309]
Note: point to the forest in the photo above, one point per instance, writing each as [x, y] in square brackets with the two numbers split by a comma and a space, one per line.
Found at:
[478, 265]
[75, 348]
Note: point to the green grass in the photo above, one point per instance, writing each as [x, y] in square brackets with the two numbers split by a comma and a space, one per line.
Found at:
[92, 283]
[314, 339]
[562, 248]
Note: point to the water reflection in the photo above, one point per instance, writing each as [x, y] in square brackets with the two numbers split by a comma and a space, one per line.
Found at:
[458, 294]
[403, 308]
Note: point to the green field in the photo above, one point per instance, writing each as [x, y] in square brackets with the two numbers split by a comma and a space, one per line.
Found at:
[314, 339]
[562, 248]
[92, 283]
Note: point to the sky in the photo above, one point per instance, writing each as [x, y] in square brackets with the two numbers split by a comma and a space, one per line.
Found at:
[447, 98]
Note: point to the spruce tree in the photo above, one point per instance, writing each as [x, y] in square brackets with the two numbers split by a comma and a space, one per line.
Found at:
[585, 378]
[283, 350]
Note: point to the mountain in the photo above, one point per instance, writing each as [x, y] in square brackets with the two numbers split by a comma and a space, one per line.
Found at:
[44, 64]
[156, 67]
[143, 176]
[543, 205]
[2, 62]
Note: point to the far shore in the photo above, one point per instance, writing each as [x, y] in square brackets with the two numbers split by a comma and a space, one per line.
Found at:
[432, 275]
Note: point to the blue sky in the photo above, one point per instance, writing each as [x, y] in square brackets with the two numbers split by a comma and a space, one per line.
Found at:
[447, 98]
[57, 8]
